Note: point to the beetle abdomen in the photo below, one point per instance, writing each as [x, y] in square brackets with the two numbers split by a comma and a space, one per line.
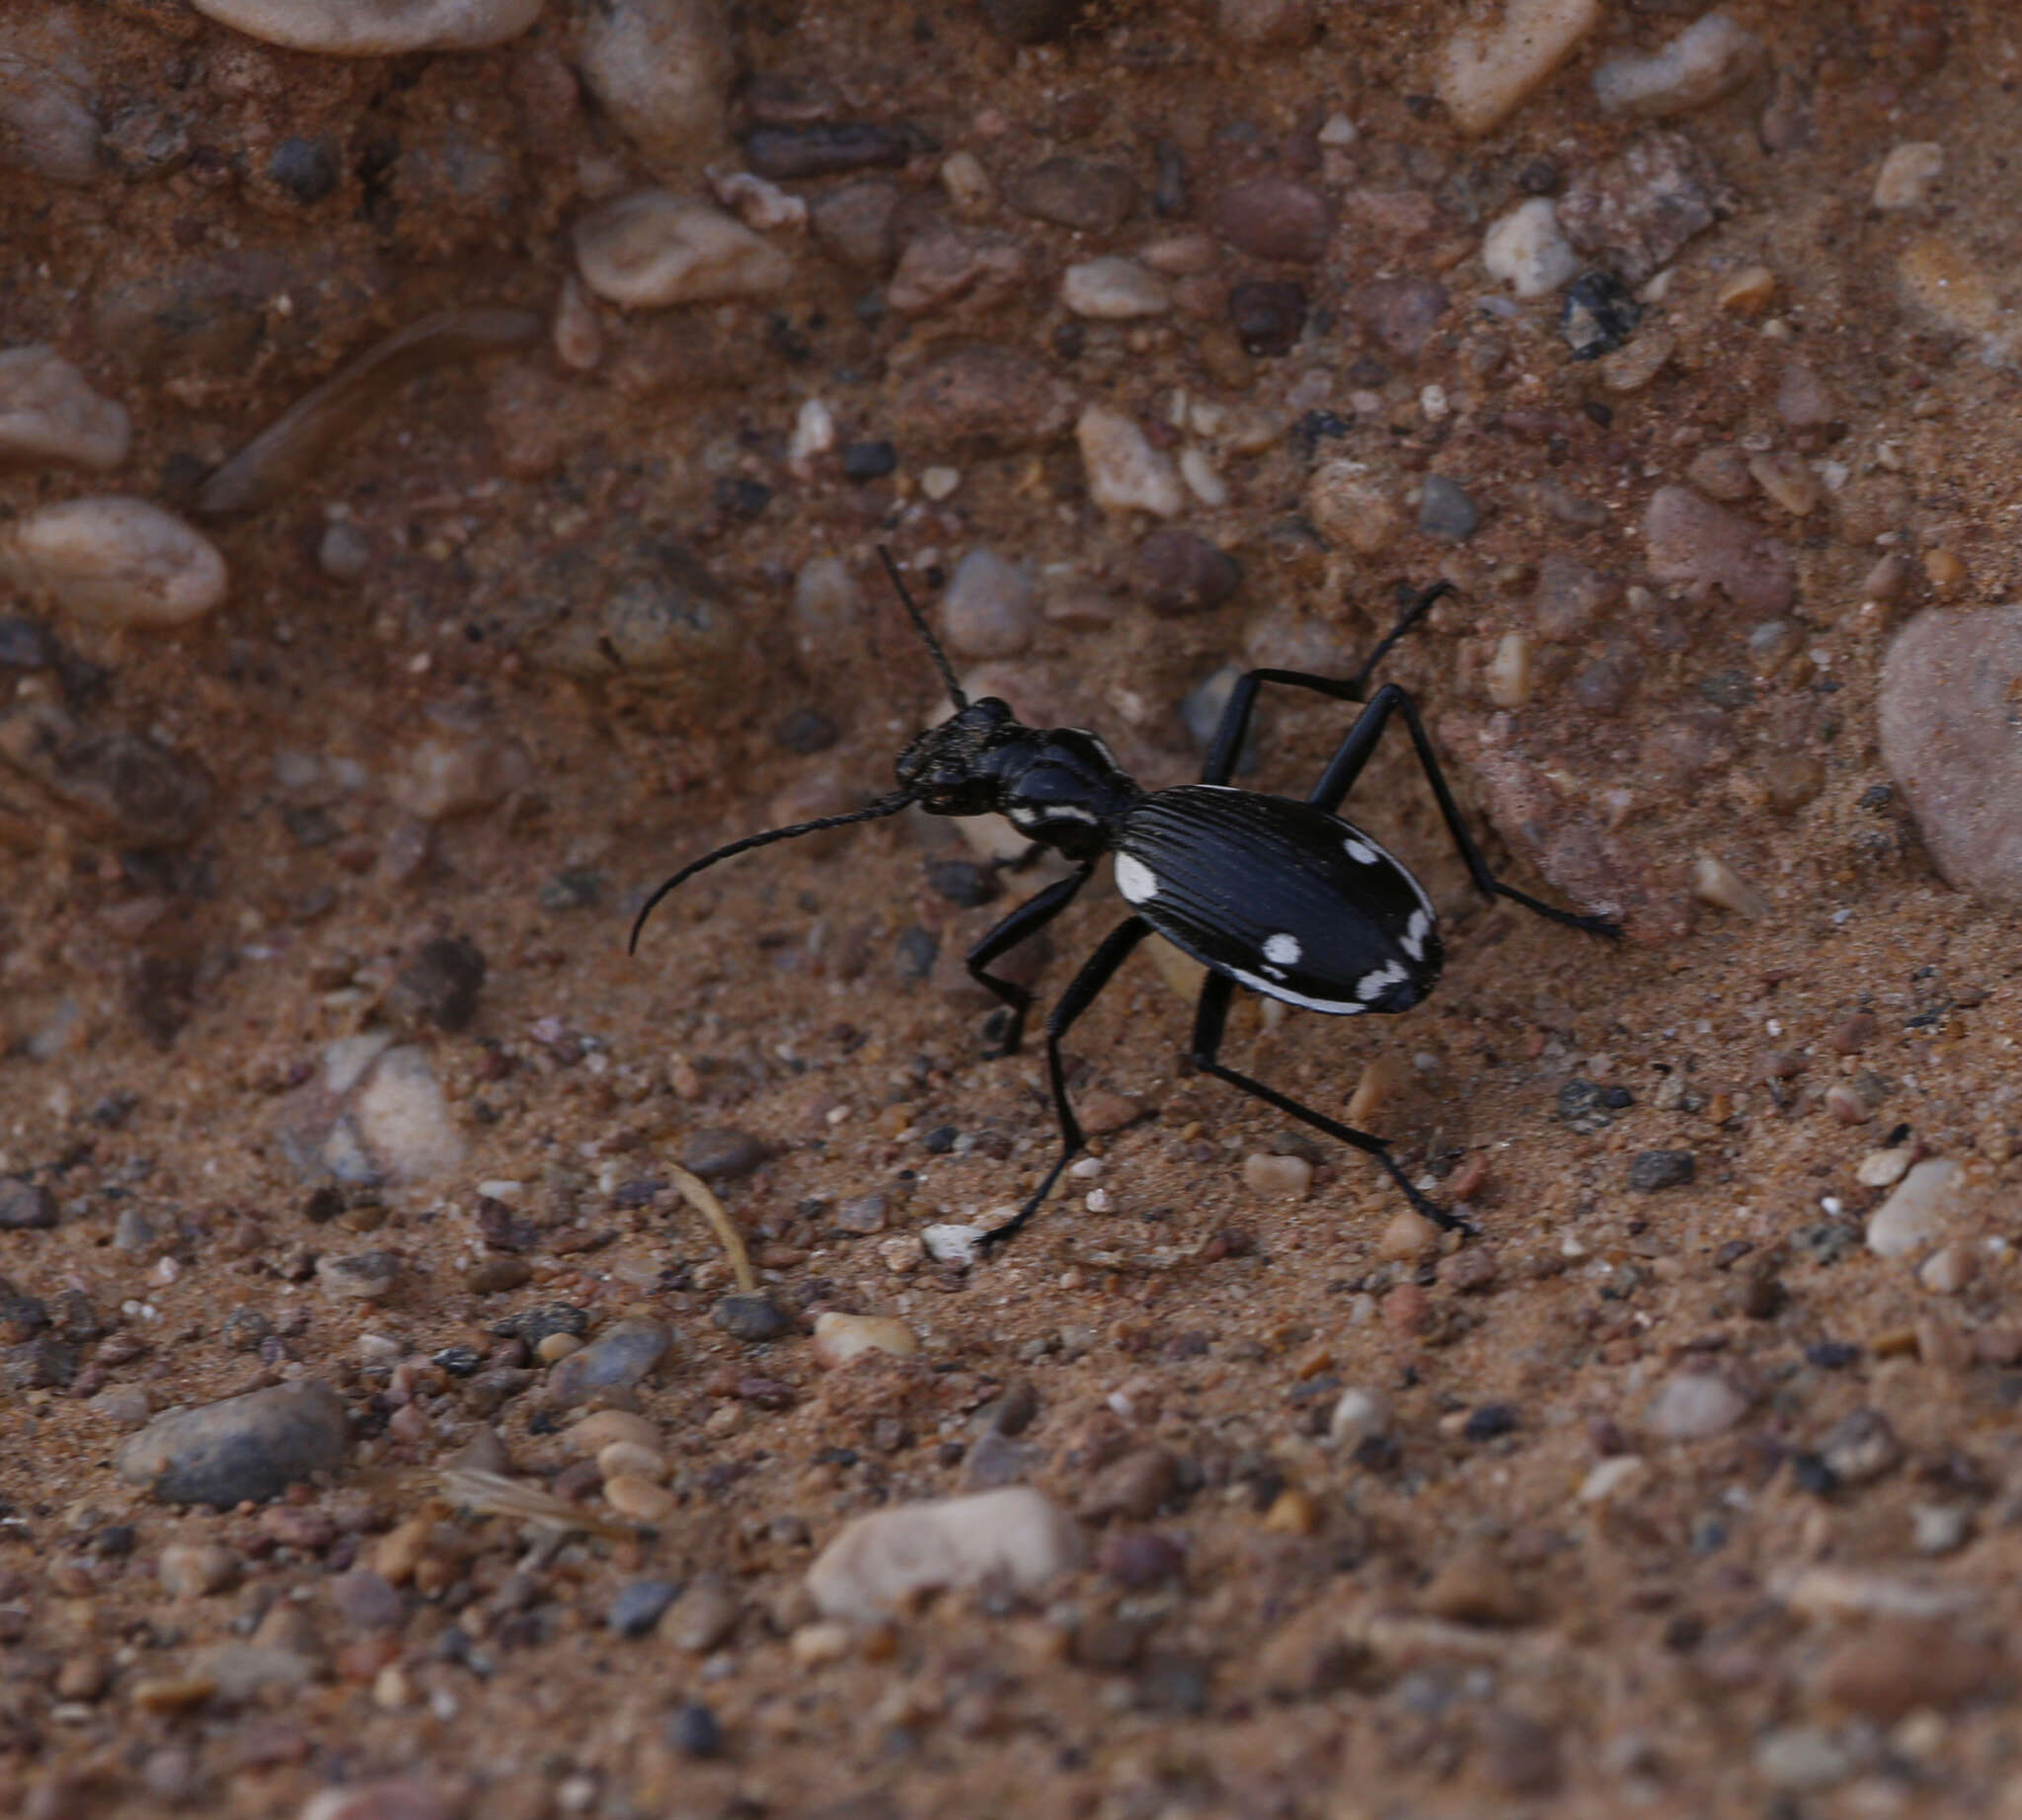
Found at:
[1282, 897]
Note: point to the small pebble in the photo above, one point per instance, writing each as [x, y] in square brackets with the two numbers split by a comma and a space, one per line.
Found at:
[1407, 1238]
[1717, 882]
[1484, 76]
[651, 250]
[1125, 472]
[880, 1560]
[612, 1428]
[1445, 510]
[1086, 195]
[1359, 1416]
[1710, 57]
[196, 1570]
[365, 1276]
[1275, 218]
[1922, 1210]
[1527, 251]
[639, 1606]
[990, 608]
[951, 1244]
[839, 1338]
[1278, 1178]
[387, 29]
[1114, 289]
[693, 1731]
[1907, 173]
[1650, 1170]
[1348, 507]
[1692, 1404]
[719, 1154]
[625, 1354]
[751, 1317]
[117, 562]
[1178, 572]
[25, 1206]
[50, 413]
[1860, 1448]
[1692, 543]
[639, 1499]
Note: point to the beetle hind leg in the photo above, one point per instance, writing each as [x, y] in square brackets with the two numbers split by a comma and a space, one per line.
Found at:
[1210, 1020]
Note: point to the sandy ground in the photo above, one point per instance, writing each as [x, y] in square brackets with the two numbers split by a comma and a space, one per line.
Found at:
[1667, 1499]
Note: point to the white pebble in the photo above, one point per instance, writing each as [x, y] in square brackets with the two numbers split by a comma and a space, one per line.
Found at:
[578, 337]
[651, 249]
[663, 70]
[1708, 58]
[1359, 1416]
[938, 483]
[1919, 1212]
[880, 1562]
[1693, 1404]
[383, 28]
[1202, 480]
[1907, 173]
[1125, 472]
[1613, 1474]
[122, 562]
[839, 1338]
[760, 205]
[1486, 76]
[1114, 289]
[952, 1244]
[50, 413]
[1528, 250]
[813, 434]
[1883, 1169]
[1717, 882]
[405, 1121]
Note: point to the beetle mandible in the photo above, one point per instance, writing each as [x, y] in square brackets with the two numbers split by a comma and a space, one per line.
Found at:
[1270, 893]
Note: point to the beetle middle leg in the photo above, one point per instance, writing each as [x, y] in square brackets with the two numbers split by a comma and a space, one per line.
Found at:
[1027, 920]
[1210, 1019]
[1096, 973]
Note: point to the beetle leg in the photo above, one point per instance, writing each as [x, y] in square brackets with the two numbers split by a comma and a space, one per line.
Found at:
[1346, 765]
[1242, 701]
[1027, 920]
[1096, 973]
[1210, 1019]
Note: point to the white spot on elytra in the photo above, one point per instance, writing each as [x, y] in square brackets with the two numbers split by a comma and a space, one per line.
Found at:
[1415, 932]
[1372, 985]
[1283, 949]
[1362, 851]
[1135, 880]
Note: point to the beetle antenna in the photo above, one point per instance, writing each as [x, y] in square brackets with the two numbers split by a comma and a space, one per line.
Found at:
[1409, 617]
[884, 805]
[925, 631]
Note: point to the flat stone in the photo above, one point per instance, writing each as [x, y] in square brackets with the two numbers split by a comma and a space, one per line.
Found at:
[1692, 543]
[654, 249]
[50, 413]
[722, 1153]
[1445, 510]
[1948, 738]
[1641, 208]
[754, 1319]
[1275, 218]
[25, 1206]
[945, 266]
[879, 1561]
[1897, 1665]
[375, 28]
[1114, 289]
[1920, 1212]
[245, 1447]
[403, 1118]
[622, 1356]
[116, 561]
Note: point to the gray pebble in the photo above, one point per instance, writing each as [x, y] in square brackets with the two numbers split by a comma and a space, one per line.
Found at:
[864, 1214]
[1948, 738]
[620, 1357]
[344, 552]
[1650, 1170]
[1445, 510]
[693, 1731]
[1400, 313]
[25, 1206]
[663, 70]
[367, 1601]
[245, 1447]
[722, 1153]
[990, 608]
[754, 1319]
[639, 1605]
[365, 1277]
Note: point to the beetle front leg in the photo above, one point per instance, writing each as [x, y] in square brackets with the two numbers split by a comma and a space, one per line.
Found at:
[1210, 1019]
[1027, 920]
[1096, 973]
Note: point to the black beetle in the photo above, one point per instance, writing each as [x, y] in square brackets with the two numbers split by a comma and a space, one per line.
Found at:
[1267, 891]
